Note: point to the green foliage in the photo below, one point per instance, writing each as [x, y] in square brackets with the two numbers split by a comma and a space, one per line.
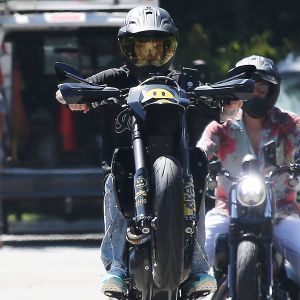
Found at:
[193, 46]
[222, 32]
[197, 45]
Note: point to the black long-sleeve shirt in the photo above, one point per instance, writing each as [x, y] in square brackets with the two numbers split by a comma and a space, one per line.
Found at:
[120, 78]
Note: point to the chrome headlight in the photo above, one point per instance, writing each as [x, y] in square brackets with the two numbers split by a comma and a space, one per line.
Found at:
[251, 191]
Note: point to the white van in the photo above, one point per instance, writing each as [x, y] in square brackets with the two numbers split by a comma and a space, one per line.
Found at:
[50, 152]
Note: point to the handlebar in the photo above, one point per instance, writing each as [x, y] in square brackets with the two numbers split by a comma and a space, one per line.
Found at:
[159, 79]
[86, 92]
[230, 90]
[292, 169]
[79, 93]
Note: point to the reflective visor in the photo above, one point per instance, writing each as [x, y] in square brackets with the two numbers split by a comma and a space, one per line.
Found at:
[142, 51]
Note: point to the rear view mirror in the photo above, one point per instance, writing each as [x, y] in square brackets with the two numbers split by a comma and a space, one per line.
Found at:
[215, 167]
[188, 79]
[270, 154]
[64, 71]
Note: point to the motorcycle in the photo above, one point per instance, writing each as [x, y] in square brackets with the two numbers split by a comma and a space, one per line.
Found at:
[247, 266]
[155, 176]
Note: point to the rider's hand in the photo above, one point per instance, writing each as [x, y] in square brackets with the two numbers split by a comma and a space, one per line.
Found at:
[230, 110]
[83, 107]
[233, 105]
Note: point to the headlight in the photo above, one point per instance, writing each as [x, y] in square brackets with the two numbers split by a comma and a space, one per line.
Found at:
[251, 191]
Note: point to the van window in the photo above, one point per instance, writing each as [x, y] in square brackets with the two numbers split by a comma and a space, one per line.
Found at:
[43, 133]
[60, 49]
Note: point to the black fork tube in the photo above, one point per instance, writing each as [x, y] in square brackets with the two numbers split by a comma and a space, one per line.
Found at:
[185, 146]
[138, 145]
[141, 181]
[267, 237]
[188, 183]
[233, 245]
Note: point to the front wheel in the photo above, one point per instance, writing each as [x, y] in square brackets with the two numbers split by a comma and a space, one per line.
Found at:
[247, 281]
[222, 291]
[168, 243]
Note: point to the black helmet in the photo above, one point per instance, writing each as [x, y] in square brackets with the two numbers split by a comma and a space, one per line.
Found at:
[148, 40]
[266, 71]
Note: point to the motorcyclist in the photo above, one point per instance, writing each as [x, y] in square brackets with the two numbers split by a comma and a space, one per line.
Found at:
[258, 122]
[148, 41]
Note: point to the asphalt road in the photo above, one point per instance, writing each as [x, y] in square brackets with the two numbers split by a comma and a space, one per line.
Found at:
[55, 271]
[49, 273]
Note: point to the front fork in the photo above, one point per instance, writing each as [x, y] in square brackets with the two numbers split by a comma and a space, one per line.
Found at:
[268, 259]
[233, 245]
[188, 183]
[141, 182]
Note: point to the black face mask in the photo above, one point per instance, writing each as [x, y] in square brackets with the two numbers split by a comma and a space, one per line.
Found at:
[257, 108]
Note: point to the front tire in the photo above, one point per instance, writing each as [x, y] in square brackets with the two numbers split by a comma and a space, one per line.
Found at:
[222, 291]
[168, 245]
[247, 281]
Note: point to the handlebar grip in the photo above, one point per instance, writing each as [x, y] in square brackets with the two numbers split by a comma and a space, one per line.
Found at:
[109, 101]
[231, 90]
[296, 169]
[78, 93]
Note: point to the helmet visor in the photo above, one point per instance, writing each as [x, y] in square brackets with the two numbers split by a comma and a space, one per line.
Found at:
[142, 51]
[267, 76]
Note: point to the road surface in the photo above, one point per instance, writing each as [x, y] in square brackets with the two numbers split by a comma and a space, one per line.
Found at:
[50, 273]
[64, 272]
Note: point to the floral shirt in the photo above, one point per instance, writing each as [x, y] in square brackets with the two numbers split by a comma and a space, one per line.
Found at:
[230, 143]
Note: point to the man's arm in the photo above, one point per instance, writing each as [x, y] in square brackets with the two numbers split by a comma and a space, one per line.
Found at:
[210, 139]
[99, 78]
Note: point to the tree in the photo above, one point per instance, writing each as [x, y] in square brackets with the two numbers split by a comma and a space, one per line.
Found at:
[222, 32]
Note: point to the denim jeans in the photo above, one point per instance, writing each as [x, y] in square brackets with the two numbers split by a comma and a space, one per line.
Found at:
[113, 247]
[285, 236]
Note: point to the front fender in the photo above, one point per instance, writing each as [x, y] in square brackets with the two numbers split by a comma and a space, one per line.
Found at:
[291, 274]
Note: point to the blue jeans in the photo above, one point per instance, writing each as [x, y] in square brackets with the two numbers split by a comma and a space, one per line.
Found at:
[286, 237]
[113, 247]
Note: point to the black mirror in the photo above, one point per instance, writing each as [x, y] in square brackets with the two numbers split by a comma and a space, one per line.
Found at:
[64, 71]
[270, 154]
[188, 79]
[215, 167]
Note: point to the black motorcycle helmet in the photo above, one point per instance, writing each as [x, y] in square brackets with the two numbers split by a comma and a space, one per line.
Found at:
[266, 71]
[148, 40]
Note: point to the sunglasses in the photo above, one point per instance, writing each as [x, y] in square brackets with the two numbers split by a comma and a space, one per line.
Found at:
[262, 88]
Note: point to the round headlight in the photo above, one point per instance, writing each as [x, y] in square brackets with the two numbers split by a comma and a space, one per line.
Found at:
[251, 191]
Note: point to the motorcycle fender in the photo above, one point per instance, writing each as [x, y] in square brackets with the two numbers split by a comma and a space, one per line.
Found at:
[222, 253]
[140, 267]
[290, 273]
